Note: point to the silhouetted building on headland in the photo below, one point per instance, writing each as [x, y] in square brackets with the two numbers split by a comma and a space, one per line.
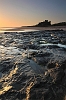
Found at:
[47, 23]
[44, 24]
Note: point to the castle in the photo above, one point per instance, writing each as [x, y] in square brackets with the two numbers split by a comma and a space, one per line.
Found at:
[44, 23]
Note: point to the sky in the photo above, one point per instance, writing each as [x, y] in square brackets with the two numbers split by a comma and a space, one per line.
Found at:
[16, 13]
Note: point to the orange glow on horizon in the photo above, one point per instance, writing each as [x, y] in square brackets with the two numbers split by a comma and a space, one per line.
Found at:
[6, 21]
[13, 22]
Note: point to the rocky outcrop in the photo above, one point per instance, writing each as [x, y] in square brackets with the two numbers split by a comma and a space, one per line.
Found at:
[52, 87]
[30, 70]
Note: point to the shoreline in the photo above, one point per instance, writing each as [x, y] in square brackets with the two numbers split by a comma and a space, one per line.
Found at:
[46, 28]
[20, 29]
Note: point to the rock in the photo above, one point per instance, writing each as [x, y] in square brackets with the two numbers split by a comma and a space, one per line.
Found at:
[63, 65]
[56, 74]
[48, 79]
[39, 94]
[0, 74]
[51, 65]
[32, 46]
[6, 65]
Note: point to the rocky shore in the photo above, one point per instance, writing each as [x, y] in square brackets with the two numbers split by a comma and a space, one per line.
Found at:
[33, 65]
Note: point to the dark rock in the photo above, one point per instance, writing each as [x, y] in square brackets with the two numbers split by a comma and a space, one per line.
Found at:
[43, 54]
[51, 65]
[38, 94]
[56, 74]
[41, 60]
[6, 65]
[63, 65]
[31, 46]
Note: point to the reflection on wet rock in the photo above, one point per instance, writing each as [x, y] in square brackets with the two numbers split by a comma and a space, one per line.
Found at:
[33, 65]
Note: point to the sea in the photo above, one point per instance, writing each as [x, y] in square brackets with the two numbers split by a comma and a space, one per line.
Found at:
[4, 29]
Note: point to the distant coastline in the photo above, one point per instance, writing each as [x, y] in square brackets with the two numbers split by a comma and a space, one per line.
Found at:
[44, 25]
[47, 23]
[38, 28]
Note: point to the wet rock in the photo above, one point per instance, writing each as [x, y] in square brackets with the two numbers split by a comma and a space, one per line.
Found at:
[11, 41]
[6, 65]
[32, 46]
[63, 65]
[0, 74]
[53, 46]
[63, 41]
[50, 84]
[51, 65]
[49, 89]
[39, 94]
[56, 74]
[41, 60]
[43, 54]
